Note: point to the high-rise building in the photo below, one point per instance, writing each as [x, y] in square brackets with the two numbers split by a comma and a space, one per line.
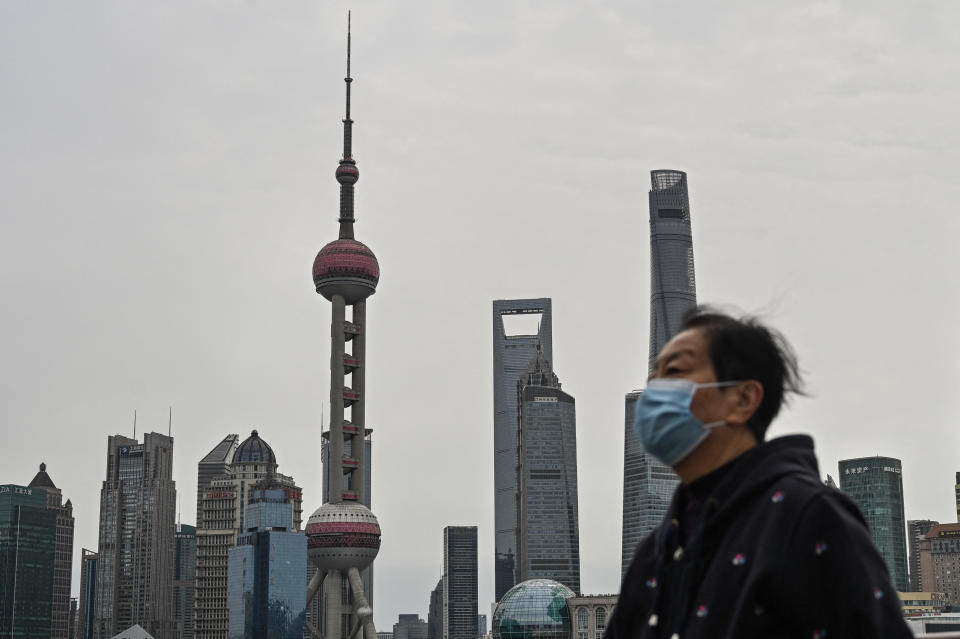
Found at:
[343, 534]
[511, 355]
[215, 463]
[876, 485]
[137, 515]
[917, 530]
[86, 608]
[548, 544]
[940, 561]
[268, 567]
[223, 512]
[435, 612]
[481, 625]
[28, 531]
[460, 582]
[62, 555]
[647, 483]
[956, 491]
[184, 579]
[74, 610]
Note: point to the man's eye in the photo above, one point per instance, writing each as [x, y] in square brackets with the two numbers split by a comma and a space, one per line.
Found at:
[673, 370]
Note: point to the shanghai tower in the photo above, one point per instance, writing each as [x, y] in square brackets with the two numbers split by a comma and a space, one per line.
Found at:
[648, 484]
[343, 535]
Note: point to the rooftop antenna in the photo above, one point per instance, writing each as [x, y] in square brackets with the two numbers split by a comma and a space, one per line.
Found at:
[134, 424]
[170, 421]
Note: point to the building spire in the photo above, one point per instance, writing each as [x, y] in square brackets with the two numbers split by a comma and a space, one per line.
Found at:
[347, 173]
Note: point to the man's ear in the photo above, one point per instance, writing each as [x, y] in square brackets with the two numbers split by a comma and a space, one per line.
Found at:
[744, 401]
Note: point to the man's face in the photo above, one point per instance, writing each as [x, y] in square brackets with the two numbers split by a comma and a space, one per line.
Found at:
[686, 357]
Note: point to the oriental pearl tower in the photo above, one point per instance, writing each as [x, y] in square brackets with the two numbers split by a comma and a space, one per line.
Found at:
[343, 536]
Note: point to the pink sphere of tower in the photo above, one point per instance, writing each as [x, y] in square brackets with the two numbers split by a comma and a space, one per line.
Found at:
[348, 268]
[342, 536]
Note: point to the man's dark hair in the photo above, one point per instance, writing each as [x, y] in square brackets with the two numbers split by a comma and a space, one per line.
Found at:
[743, 348]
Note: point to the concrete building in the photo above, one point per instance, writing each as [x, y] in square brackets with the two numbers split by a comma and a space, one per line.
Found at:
[184, 579]
[267, 568]
[137, 515]
[343, 535]
[214, 464]
[940, 561]
[917, 530]
[460, 582]
[511, 355]
[223, 512]
[63, 554]
[876, 485]
[923, 603]
[28, 536]
[435, 612]
[589, 614]
[647, 483]
[410, 626]
[86, 605]
[548, 543]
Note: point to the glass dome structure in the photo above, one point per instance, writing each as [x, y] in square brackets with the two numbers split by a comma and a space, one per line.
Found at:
[533, 609]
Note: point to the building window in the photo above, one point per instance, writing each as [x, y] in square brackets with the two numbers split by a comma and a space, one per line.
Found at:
[601, 620]
[583, 623]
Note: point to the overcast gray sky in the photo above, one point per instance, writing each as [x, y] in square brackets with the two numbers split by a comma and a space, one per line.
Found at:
[166, 179]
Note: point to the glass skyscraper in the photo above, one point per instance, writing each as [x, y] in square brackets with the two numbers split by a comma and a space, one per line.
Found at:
[267, 569]
[86, 606]
[63, 554]
[648, 484]
[876, 485]
[184, 574]
[460, 595]
[28, 530]
[549, 530]
[511, 355]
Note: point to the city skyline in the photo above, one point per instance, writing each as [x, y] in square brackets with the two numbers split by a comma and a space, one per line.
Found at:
[166, 180]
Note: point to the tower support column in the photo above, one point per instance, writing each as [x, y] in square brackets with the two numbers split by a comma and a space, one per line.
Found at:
[337, 345]
[357, 411]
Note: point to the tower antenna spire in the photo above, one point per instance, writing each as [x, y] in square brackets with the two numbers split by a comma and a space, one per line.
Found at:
[134, 423]
[347, 173]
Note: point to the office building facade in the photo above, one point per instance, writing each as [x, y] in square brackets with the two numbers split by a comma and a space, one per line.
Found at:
[223, 512]
[512, 354]
[184, 576]
[214, 464]
[460, 582]
[86, 605]
[137, 516]
[28, 536]
[876, 485]
[917, 530]
[548, 543]
[435, 612]
[267, 568]
[410, 626]
[647, 483]
[63, 554]
[940, 561]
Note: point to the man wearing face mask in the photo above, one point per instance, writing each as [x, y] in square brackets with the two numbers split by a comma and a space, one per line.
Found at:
[753, 545]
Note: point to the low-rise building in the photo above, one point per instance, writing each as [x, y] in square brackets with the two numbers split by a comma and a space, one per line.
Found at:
[923, 603]
[589, 615]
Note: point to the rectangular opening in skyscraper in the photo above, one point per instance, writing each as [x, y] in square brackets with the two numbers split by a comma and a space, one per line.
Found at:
[517, 324]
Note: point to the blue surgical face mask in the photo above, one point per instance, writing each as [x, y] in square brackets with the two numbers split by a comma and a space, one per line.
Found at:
[663, 422]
